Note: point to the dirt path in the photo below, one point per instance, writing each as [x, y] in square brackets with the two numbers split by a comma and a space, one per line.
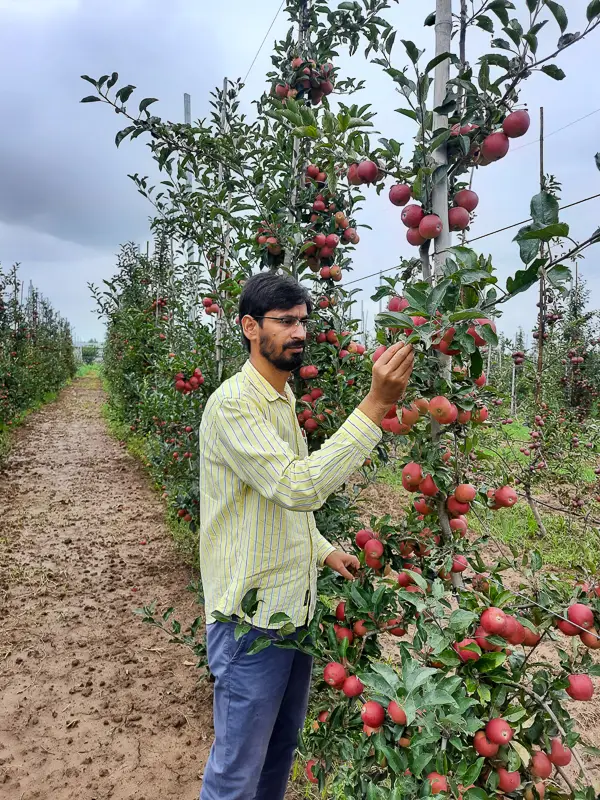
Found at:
[94, 705]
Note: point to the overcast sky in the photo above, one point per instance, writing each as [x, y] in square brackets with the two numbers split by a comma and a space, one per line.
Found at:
[66, 203]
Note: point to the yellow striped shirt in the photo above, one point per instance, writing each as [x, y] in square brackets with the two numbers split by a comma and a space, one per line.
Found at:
[258, 489]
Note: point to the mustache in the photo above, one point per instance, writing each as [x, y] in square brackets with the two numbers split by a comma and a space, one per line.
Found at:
[295, 347]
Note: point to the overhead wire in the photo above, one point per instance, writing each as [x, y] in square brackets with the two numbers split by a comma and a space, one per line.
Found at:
[264, 40]
[477, 238]
[558, 130]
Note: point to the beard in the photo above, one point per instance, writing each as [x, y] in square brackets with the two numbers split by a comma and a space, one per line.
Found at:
[285, 360]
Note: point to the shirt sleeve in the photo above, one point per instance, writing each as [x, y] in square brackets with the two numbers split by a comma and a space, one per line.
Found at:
[250, 445]
[321, 546]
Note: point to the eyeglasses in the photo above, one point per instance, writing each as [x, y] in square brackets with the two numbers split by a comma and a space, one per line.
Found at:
[290, 321]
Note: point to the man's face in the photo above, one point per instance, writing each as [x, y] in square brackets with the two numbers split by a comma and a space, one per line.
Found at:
[282, 343]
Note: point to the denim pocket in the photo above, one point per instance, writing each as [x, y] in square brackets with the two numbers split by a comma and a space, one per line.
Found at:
[243, 644]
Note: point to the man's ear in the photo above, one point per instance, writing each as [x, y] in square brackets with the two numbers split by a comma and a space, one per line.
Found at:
[250, 327]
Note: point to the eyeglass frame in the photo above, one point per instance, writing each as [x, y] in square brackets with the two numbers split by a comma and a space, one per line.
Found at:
[304, 322]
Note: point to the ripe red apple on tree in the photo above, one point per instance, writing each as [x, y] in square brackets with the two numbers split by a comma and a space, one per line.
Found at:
[581, 615]
[580, 687]
[560, 755]
[508, 781]
[439, 783]
[541, 766]
[412, 216]
[499, 731]
[398, 304]
[458, 219]
[495, 146]
[396, 713]
[466, 199]
[352, 687]
[400, 194]
[367, 171]
[430, 226]
[334, 674]
[516, 124]
[483, 746]
[414, 238]
[372, 714]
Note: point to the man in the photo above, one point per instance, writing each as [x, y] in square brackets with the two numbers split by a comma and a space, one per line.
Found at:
[258, 489]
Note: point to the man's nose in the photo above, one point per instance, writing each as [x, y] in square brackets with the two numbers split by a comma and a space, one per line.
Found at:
[299, 333]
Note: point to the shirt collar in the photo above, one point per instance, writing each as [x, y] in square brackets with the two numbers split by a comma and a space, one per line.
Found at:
[262, 385]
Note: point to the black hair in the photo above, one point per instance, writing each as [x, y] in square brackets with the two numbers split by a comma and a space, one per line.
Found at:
[268, 291]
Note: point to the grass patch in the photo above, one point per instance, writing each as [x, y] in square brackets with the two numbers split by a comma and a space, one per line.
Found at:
[568, 545]
[86, 370]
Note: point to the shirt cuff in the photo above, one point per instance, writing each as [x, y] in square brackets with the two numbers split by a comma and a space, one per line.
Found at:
[365, 433]
[323, 548]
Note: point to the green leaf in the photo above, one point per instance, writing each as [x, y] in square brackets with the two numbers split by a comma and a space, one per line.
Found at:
[124, 134]
[460, 619]
[112, 80]
[378, 684]
[89, 80]
[559, 275]
[418, 677]
[544, 209]
[553, 71]
[387, 672]
[532, 41]
[473, 772]
[499, 7]
[484, 76]
[250, 602]
[593, 10]
[147, 101]
[411, 50]
[91, 99]
[438, 141]
[259, 644]
[531, 5]
[278, 618]
[523, 279]
[476, 794]
[394, 319]
[485, 23]
[221, 617]
[490, 661]
[528, 248]
[430, 20]
[125, 93]
[241, 629]
[437, 294]
[438, 60]
[597, 156]
[503, 44]
[559, 14]
[306, 131]
[558, 229]
[497, 60]
[476, 364]
[407, 112]
[288, 629]
[459, 316]
[393, 758]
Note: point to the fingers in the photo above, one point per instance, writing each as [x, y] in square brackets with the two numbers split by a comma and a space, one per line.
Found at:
[390, 353]
[354, 563]
[344, 573]
[404, 354]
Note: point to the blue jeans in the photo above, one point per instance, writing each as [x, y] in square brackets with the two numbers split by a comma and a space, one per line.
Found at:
[260, 705]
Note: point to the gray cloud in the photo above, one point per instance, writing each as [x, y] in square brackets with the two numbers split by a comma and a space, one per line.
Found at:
[66, 203]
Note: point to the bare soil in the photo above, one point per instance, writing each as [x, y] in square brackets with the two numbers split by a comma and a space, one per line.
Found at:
[95, 705]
